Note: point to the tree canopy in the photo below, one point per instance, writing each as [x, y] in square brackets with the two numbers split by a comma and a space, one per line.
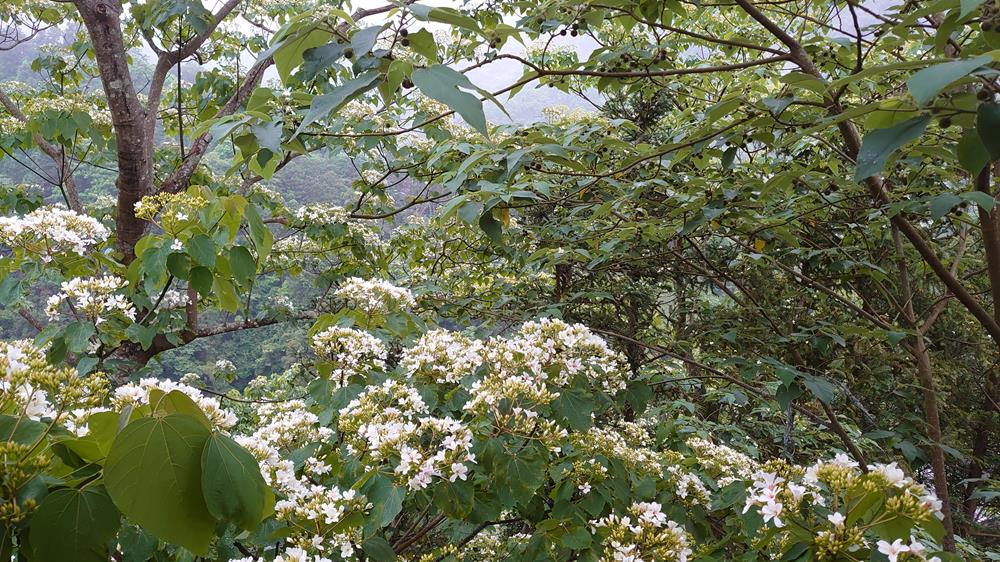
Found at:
[742, 302]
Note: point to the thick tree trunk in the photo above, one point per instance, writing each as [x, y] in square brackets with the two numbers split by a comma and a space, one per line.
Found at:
[134, 139]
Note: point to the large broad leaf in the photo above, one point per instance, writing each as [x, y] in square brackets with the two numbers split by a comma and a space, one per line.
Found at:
[926, 84]
[288, 52]
[153, 474]
[231, 482]
[442, 83]
[449, 16]
[244, 266]
[20, 430]
[176, 402]
[387, 499]
[971, 152]
[74, 525]
[880, 144]
[201, 279]
[519, 477]
[10, 290]
[203, 250]
[226, 293]
[378, 549]
[364, 39]
[967, 6]
[988, 126]
[322, 105]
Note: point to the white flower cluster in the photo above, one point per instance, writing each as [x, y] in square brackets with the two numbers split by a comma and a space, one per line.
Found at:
[33, 402]
[643, 535]
[174, 299]
[915, 550]
[386, 423]
[372, 176]
[47, 231]
[322, 214]
[313, 508]
[68, 103]
[725, 464]
[552, 351]
[528, 369]
[283, 426]
[77, 419]
[374, 296]
[14, 358]
[138, 394]
[442, 356]
[32, 387]
[784, 492]
[172, 211]
[280, 304]
[96, 298]
[352, 352]
[225, 366]
[770, 492]
[36, 106]
[324, 507]
[294, 554]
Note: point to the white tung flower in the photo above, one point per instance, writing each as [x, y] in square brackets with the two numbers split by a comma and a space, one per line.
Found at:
[893, 550]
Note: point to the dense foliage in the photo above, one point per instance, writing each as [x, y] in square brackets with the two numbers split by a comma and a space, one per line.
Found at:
[747, 307]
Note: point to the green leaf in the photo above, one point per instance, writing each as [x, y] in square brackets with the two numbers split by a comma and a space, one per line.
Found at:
[942, 204]
[74, 525]
[318, 59]
[971, 152]
[984, 200]
[179, 265]
[777, 105]
[10, 290]
[491, 226]
[141, 334]
[203, 250]
[176, 402]
[988, 126]
[442, 83]
[288, 51]
[136, 544]
[25, 431]
[226, 293]
[729, 496]
[322, 105]
[820, 387]
[880, 144]
[925, 85]
[729, 158]
[967, 6]
[576, 539]
[231, 482]
[422, 42]
[387, 499]
[377, 548]
[454, 499]
[575, 408]
[78, 336]
[895, 337]
[364, 39]
[520, 476]
[201, 280]
[153, 474]
[243, 264]
[449, 16]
